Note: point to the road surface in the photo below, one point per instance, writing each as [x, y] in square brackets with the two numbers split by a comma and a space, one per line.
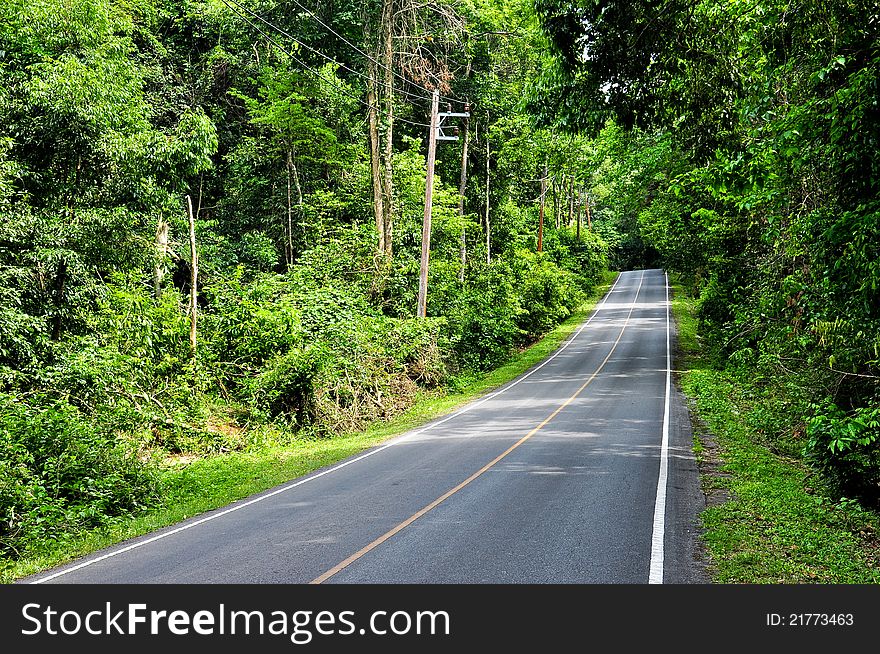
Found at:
[578, 471]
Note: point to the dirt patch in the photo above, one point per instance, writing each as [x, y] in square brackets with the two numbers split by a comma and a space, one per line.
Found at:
[226, 427]
[177, 461]
[871, 547]
[709, 461]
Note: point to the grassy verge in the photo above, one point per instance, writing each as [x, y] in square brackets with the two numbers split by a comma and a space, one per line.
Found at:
[767, 520]
[216, 481]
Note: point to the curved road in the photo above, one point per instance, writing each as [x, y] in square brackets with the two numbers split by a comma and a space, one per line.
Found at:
[578, 471]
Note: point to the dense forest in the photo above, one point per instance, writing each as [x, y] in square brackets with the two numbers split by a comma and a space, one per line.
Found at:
[212, 216]
[754, 132]
[211, 234]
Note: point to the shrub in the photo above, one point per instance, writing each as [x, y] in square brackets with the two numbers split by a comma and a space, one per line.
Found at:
[285, 385]
[251, 322]
[548, 294]
[846, 447]
[482, 327]
[59, 473]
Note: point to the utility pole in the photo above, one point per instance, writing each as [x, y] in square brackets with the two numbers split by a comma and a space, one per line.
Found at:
[194, 277]
[488, 240]
[375, 163]
[161, 245]
[462, 188]
[436, 134]
[429, 194]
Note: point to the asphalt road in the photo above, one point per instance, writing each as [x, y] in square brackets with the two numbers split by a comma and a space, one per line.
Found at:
[578, 471]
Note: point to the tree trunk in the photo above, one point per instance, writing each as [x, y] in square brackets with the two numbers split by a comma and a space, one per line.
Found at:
[388, 62]
[541, 211]
[578, 216]
[557, 203]
[288, 246]
[293, 173]
[161, 245]
[58, 299]
[488, 240]
[60, 282]
[587, 207]
[378, 203]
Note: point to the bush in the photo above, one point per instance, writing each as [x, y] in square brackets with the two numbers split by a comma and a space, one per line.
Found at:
[295, 348]
[285, 385]
[548, 294]
[251, 322]
[60, 474]
[486, 330]
[846, 447]
[506, 305]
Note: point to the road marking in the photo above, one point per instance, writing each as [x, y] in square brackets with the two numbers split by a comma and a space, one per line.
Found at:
[283, 489]
[403, 525]
[655, 575]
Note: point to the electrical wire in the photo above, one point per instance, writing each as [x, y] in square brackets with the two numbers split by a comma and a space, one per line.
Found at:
[364, 54]
[283, 32]
[314, 72]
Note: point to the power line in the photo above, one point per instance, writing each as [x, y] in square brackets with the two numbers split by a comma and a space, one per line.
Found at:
[313, 71]
[282, 31]
[362, 53]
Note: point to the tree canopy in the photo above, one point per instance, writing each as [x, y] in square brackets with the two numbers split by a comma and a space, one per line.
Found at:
[753, 129]
[255, 170]
[117, 117]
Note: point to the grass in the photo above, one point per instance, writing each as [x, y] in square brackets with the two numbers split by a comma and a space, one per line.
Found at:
[215, 481]
[767, 519]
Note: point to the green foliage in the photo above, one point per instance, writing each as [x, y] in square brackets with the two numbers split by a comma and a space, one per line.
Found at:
[62, 474]
[285, 385]
[508, 305]
[549, 294]
[485, 322]
[749, 164]
[769, 517]
[312, 354]
[113, 113]
[847, 448]
[250, 323]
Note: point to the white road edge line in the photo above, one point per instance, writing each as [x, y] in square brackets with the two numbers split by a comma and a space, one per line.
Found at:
[282, 489]
[655, 576]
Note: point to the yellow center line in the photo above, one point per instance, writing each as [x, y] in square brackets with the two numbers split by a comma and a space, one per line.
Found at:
[415, 516]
